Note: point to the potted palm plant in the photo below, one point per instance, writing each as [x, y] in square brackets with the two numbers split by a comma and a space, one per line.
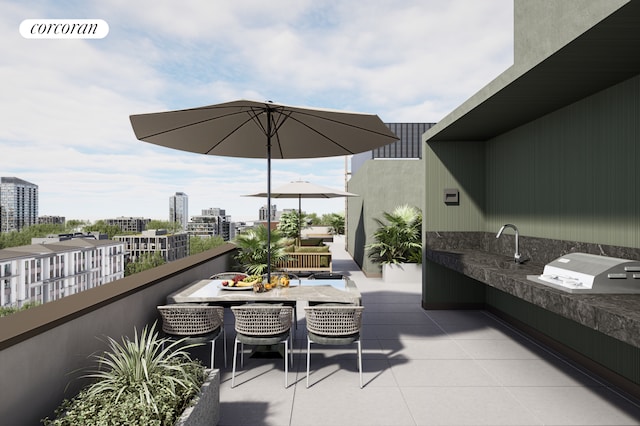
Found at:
[253, 248]
[398, 244]
[147, 381]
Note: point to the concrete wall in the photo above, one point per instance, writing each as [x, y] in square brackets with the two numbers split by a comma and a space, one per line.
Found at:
[42, 346]
[382, 185]
[541, 27]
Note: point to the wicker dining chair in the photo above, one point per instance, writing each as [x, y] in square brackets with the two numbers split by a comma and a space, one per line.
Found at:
[292, 303]
[337, 324]
[196, 324]
[262, 324]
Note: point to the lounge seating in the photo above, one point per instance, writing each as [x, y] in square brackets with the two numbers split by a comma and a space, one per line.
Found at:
[334, 325]
[196, 324]
[306, 262]
[262, 324]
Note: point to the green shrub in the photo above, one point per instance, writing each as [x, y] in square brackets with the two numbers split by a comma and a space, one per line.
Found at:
[147, 381]
[8, 310]
[399, 240]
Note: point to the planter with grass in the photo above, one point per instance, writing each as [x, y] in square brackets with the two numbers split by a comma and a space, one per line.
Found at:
[146, 381]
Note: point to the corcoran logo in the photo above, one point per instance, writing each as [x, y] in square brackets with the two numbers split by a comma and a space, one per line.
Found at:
[64, 28]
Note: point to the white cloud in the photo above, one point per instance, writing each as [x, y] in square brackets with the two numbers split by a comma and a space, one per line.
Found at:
[66, 103]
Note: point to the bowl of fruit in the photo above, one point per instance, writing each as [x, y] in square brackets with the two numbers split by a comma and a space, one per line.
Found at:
[240, 282]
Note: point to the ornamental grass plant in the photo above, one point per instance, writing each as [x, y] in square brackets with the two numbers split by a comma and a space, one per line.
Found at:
[145, 381]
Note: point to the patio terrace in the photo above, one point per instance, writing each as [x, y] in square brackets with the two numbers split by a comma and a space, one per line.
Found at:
[420, 367]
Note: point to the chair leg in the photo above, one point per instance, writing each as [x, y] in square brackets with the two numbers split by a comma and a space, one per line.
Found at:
[233, 370]
[286, 363]
[224, 344]
[213, 352]
[360, 361]
[308, 358]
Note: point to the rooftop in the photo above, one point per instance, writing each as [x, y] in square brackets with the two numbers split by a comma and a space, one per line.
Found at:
[420, 368]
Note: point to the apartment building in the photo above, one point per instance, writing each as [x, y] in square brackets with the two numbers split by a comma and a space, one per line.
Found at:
[211, 222]
[57, 268]
[51, 220]
[171, 246]
[129, 224]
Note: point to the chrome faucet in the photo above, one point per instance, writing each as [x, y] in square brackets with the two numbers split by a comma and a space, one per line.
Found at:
[516, 256]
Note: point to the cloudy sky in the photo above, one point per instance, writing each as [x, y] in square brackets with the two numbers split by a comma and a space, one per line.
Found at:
[65, 104]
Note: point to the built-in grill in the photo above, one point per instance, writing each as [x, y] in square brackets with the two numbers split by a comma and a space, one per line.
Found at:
[590, 273]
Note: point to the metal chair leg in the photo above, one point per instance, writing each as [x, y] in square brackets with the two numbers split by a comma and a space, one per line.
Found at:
[308, 358]
[233, 370]
[286, 363]
[360, 362]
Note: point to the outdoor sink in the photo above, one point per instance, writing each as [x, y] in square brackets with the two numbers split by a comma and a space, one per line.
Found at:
[512, 266]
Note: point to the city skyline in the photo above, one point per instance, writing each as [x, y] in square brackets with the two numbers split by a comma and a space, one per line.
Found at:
[66, 103]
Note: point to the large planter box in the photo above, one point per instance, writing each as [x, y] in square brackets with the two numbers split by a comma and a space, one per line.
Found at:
[402, 273]
[205, 410]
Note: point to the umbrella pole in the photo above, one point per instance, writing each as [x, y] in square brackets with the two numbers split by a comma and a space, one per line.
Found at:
[268, 194]
[299, 220]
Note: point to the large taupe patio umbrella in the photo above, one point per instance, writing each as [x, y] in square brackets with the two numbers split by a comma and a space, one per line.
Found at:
[263, 130]
[302, 189]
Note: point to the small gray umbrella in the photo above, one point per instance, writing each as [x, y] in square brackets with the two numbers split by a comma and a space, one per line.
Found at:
[263, 130]
[303, 189]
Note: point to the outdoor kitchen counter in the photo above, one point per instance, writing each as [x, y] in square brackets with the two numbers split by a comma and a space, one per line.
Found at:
[615, 315]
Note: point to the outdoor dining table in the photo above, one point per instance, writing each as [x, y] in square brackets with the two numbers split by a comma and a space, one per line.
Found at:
[318, 291]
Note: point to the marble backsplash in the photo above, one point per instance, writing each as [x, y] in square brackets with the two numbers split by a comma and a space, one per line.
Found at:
[536, 250]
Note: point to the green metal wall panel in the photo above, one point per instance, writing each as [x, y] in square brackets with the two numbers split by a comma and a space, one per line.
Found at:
[454, 165]
[444, 288]
[572, 174]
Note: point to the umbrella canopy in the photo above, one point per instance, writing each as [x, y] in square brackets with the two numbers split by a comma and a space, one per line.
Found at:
[263, 130]
[302, 189]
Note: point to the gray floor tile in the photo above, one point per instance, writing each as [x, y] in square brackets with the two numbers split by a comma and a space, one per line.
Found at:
[405, 331]
[441, 373]
[423, 349]
[466, 406]
[577, 405]
[501, 349]
[535, 372]
[350, 406]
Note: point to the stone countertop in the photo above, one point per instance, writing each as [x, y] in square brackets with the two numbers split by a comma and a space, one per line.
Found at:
[615, 315]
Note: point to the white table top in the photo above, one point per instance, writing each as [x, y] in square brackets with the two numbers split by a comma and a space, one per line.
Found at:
[339, 291]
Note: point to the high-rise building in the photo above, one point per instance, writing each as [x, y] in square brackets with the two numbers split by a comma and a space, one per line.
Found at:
[18, 204]
[179, 209]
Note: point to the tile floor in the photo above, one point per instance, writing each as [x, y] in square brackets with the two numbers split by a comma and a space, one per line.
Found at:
[420, 368]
